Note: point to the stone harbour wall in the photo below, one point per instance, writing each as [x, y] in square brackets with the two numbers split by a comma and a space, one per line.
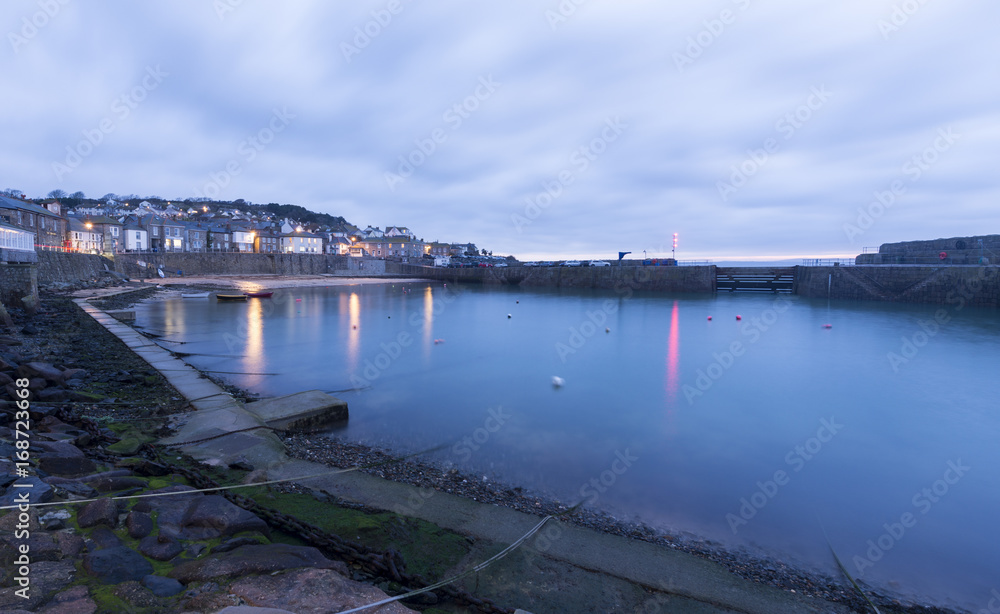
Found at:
[975, 285]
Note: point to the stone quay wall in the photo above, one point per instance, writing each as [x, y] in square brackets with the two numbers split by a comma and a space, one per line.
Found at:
[659, 278]
[973, 285]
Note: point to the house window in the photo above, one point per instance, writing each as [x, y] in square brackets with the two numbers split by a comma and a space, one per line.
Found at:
[114, 231]
[156, 231]
[138, 237]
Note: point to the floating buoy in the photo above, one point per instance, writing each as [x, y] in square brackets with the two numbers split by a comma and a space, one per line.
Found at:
[607, 330]
[739, 317]
[438, 341]
[355, 327]
[557, 382]
[518, 302]
[298, 300]
[709, 318]
[828, 326]
[508, 316]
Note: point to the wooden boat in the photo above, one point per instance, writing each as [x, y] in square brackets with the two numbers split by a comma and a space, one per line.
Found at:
[259, 294]
[231, 297]
[195, 294]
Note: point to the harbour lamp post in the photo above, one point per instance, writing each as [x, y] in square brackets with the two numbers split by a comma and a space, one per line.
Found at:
[673, 250]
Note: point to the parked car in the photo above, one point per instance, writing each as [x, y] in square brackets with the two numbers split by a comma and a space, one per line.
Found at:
[571, 263]
[599, 263]
[531, 264]
[499, 264]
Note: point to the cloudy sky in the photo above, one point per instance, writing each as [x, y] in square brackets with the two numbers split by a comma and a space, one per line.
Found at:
[752, 128]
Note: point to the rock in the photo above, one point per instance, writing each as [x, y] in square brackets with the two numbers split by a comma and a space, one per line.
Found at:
[39, 492]
[39, 370]
[139, 524]
[70, 544]
[114, 473]
[80, 436]
[252, 559]
[113, 484]
[160, 547]
[47, 577]
[141, 466]
[57, 448]
[29, 330]
[161, 586]
[37, 384]
[134, 594]
[233, 544]
[41, 545]
[75, 600]
[102, 538]
[116, 565]
[103, 511]
[69, 374]
[311, 590]
[74, 491]
[4, 378]
[52, 395]
[9, 522]
[216, 513]
[70, 466]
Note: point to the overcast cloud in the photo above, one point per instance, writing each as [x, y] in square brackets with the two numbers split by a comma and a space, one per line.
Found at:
[751, 128]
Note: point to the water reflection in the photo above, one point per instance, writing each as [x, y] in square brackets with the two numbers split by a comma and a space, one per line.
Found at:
[354, 332]
[673, 353]
[428, 322]
[254, 361]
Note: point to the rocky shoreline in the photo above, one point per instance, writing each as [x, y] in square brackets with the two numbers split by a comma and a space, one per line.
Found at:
[123, 402]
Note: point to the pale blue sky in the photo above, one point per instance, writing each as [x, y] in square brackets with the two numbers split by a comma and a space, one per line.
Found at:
[751, 128]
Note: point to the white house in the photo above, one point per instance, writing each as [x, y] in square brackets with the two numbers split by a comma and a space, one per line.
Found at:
[136, 239]
[85, 237]
[16, 239]
[243, 240]
[301, 243]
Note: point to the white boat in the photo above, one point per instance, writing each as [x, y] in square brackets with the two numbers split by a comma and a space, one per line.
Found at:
[195, 294]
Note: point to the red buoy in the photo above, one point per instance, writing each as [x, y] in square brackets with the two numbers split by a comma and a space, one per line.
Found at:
[739, 317]
[828, 326]
[709, 318]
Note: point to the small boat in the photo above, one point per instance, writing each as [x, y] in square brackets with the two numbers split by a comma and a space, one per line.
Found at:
[194, 294]
[259, 294]
[231, 297]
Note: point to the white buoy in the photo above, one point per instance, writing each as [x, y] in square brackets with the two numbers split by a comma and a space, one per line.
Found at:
[557, 382]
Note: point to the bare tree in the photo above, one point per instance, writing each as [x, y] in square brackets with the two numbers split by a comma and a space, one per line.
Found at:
[57, 194]
[11, 192]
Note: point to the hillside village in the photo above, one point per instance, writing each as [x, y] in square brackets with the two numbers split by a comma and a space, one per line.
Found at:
[114, 224]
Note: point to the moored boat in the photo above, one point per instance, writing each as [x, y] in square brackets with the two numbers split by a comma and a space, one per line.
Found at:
[231, 297]
[194, 294]
[259, 294]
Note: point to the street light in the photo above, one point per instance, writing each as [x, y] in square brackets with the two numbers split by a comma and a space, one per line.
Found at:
[673, 250]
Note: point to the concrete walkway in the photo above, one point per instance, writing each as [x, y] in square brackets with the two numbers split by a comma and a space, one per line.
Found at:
[660, 579]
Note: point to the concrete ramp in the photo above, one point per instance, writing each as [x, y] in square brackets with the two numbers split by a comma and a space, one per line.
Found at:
[300, 411]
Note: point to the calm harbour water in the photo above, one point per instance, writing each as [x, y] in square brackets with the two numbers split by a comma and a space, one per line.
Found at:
[884, 427]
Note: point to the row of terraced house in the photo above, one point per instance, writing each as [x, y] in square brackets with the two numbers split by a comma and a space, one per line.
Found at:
[28, 225]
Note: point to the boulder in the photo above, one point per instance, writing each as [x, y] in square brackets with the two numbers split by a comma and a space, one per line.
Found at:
[39, 369]
[117, 564]
[47, 578]
[251, 560]
[52, 395]
[311, 590]
[139, 524]
[160, 547]
[65, 466]
[161, 586]
[74, 600]
[38, 492]
[70, 544]
[216, 512]
[102, 538]
[103, 511]
[113, 484]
